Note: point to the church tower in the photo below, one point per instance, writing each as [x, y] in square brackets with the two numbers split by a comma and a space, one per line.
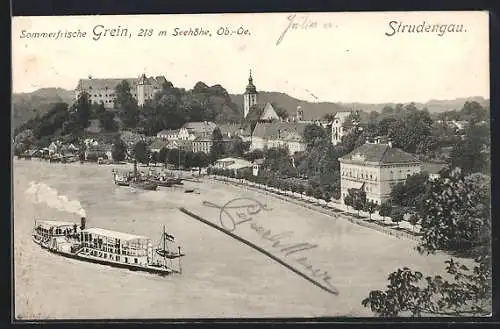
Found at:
[249, 97]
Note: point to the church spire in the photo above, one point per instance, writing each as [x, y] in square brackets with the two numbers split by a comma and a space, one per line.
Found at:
[251, 87]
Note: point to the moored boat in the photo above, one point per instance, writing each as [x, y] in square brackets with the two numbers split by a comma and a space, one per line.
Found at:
[161, 182]
[106, 247]
[144, 185]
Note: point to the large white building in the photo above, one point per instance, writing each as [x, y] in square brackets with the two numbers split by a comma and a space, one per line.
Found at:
[337, 126]
[375, 169]
[279, 135]
[103, 90]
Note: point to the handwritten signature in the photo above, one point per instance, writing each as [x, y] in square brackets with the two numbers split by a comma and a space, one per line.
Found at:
[243, 210]
[300, 23]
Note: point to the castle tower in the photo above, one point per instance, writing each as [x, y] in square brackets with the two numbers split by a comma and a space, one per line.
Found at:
[141, 90]
[249, 97]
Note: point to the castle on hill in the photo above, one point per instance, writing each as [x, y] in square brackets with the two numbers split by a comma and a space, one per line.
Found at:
[103, 90]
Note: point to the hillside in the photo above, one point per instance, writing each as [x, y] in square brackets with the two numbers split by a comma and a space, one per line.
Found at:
[317, 110]
[27, 105]
[311, 110]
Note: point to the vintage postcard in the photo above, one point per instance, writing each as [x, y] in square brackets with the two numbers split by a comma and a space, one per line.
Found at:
[269, 165]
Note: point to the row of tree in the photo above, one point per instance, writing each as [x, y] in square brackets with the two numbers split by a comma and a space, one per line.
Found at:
[268, 179]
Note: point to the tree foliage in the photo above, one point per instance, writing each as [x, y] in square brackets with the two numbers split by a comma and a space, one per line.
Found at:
[83, 109]
[127, 105]
[410, 192]
[313, 134]
[456, 215]
[107, 121]
[466, 293]
[119, 150]
[470, 154]
[455, 218]
[370, 208]
[141, 152]
[385, 209]
[217, 149]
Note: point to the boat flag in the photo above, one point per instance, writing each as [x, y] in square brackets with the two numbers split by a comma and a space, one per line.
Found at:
[169, 237]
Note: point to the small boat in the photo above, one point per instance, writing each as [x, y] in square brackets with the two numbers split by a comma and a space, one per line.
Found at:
[143, 185]
[120, 181]
[136, 181]
[106, 247]
[161, 182]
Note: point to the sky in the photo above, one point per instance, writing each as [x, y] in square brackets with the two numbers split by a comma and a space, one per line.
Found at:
[326, 57]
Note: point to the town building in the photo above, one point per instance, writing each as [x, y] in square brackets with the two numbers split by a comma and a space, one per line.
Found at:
[200, 129]
[176, 134]
[433, 169]
[201, 144]
[231, 130]
[93, 152]
[375, 168]
[337, 126]
[103, 90]
[235, 164]
[263, 113]
[279, 134]
[157, 145]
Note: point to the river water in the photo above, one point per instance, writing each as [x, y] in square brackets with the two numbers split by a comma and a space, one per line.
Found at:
[221, 277]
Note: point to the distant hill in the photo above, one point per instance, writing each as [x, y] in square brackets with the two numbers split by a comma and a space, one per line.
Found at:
[434, 106]
[27, 105]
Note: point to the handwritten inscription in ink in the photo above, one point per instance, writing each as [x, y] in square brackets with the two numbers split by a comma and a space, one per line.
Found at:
[302, 22]
[244, 210]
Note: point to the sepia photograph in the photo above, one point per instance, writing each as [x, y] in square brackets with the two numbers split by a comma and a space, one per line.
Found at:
[251, 166]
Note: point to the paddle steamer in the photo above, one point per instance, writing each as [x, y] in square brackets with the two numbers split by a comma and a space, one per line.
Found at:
[106, 247]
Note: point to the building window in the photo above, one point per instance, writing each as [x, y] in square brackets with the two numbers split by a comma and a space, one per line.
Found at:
[135, 260]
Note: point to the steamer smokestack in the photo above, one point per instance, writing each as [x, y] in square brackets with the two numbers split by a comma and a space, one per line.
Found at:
[82, 223]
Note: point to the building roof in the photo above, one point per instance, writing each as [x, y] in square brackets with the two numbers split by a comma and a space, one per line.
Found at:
[158, 144]
[114, 234]
[379, 154]
[53, 223]
[85, 84]
[433, 168]
[169, 132]
[278, 130]
[200, 127]
[250, 89]
[230, 128]
[236, 163]
[101, 148]
[343, 114]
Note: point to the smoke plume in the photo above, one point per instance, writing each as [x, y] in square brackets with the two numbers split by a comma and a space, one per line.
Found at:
[42, 193]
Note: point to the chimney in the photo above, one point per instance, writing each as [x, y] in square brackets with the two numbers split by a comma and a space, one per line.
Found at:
[82, 223]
